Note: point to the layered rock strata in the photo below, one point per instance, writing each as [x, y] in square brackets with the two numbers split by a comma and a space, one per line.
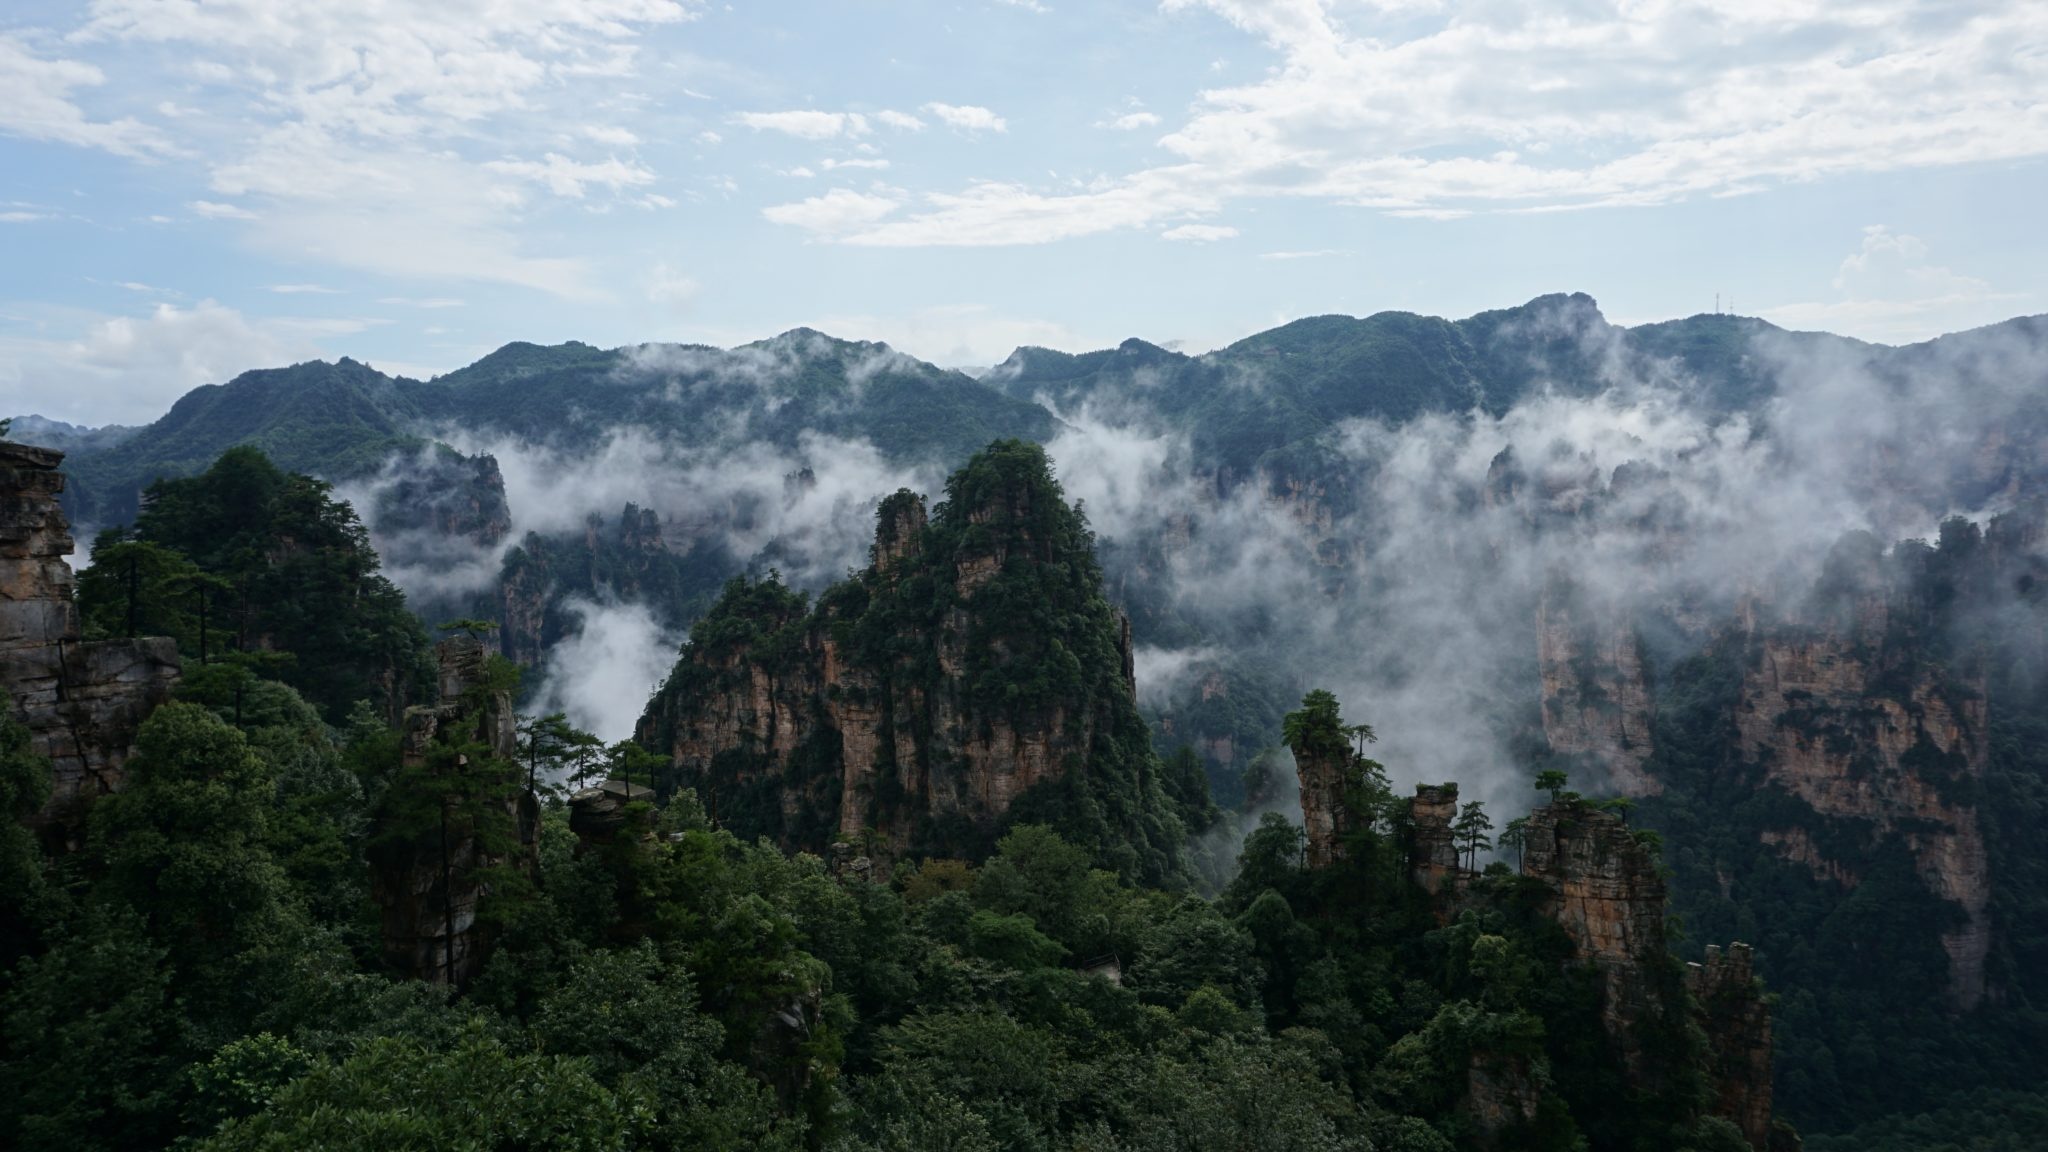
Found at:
[1434, 861]
[1729, 1007]
[917, 703]
[1326, 775]
[1597, 705]
[1608, 896]
[431, 882]
[82, 702]
[1858, 734]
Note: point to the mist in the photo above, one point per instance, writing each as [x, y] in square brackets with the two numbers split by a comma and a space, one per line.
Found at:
[602, 675]
[1411, 584]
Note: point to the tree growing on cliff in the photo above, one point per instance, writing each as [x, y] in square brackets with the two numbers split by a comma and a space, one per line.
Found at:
[285, 567]
[1471, 828]
[1552, 780]
[1318, 727]
[1516, 836]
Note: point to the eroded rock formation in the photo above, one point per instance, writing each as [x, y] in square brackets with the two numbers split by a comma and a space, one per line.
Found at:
[1434, 863]
[1326, 776]
[82, 702]
[914, 706]
[1596, 698]
[457, 822]
[1861, 730]
[1729, 1006]
[1609, 899]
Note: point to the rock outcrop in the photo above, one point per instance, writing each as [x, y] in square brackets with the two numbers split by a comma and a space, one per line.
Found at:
[81, 701]
[432, 863]
[1434, 860]
[917, 704]
[1729, 1006]
[631, 561]
[1596, 699]
[443, 495]
[1326, 776]
[1848, 717]
[597, 815]
[1608, 896]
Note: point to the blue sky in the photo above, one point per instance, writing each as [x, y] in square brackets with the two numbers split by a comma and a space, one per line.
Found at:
[190, 188]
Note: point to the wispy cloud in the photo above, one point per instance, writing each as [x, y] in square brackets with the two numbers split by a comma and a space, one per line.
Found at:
[968, 117]
[807, 124]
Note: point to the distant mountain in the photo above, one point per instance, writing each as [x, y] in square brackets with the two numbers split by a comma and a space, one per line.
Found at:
[344, 420]
[48, 433]
[1256, 404]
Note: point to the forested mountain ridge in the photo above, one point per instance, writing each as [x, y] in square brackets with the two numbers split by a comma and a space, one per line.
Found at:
[1536, 539]
[276, 932]
[345, 420]
[972, 677]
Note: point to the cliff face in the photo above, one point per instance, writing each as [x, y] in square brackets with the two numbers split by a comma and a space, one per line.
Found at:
[630, 560]
[82, 702]
[973, 665]
[1325, 777]
[1862, 730]
[431, 875]
[1608, 896]
[1434, 861]
[1729, 1005]
[1596, 697]
[446, 495]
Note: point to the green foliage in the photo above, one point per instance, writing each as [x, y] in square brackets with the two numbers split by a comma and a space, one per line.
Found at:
[398, 1093]
[247, 560]
[24, 787]
[1008, 558]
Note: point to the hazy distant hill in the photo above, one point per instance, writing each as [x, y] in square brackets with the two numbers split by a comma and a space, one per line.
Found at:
[345, 419]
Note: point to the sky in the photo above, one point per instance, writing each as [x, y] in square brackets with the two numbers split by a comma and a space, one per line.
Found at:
[193, 188]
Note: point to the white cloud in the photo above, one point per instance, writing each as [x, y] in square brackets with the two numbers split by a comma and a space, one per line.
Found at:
[129, 369]
[1311, 254]
[830, 164]
[21, 216]
[611, 134]
[807, 124]
[212, 210]
[900, 120]
[968, 117]
[430, 302]
[708, 137]
[991, 213]
[1199, 233]
[602, 673]
[835, 213]
[1027, 5]
[1890, 292]
[671, 289]
[296, 289]
[35, 103]
[403, 212]
[566, 177]
[1132, 121]
[1437, 111]
[380, 141]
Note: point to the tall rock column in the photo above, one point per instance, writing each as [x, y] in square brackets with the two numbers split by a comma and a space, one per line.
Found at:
[431, 878]
[1608, 896]
[1729, 1007]
[81, 702]
[1326, 775]
[1434, 858]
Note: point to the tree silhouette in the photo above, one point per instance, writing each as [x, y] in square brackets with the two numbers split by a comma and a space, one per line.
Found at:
[1471, 828]
[1516, 836]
